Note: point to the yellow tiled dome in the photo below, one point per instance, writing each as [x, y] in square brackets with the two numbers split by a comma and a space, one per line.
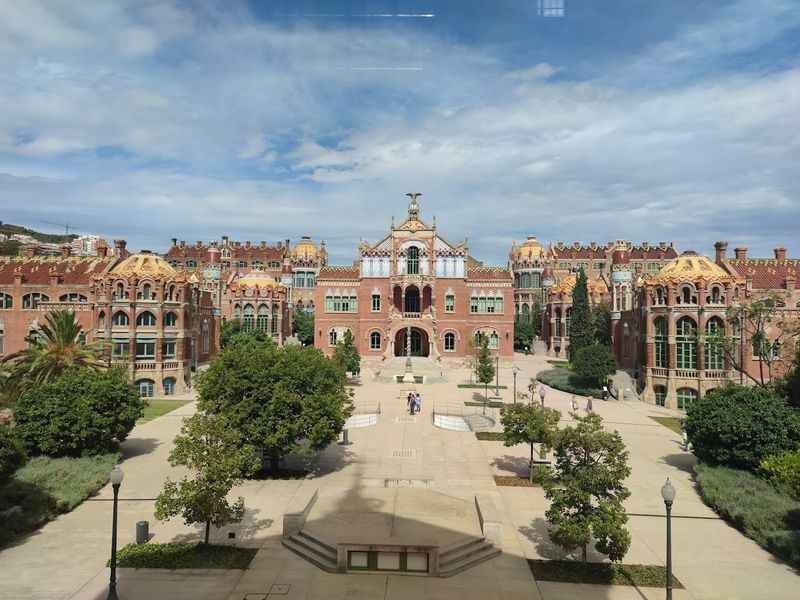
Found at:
[530, 250]
[144, 265]
[689, 266]
[305, 249]
[257, 279]
[593, 285]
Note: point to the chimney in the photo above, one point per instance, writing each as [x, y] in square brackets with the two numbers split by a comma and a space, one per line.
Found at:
[721, 248]
[119, 247]
[224, 240]
[263, 244]
[102, 249]
[741, 252]
[247, 244]
[780, 253]
[174, 242]
[199, 244]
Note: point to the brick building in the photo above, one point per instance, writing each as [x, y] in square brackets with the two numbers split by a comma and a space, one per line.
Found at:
[413, 291]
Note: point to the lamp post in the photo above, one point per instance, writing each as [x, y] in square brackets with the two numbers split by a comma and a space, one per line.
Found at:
[515, 370]
[116, 480]
[668, 494]
[497, 374]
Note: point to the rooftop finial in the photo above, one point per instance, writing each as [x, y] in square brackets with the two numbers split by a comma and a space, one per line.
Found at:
[413, 207]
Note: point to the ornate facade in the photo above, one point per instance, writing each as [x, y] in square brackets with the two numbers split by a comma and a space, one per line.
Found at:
[414, 292]
[260, 303]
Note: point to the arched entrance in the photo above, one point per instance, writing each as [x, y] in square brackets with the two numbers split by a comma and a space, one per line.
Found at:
[412, 304]
[420, 345]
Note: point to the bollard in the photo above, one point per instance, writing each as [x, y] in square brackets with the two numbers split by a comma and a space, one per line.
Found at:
[345, 439]
[142, 532]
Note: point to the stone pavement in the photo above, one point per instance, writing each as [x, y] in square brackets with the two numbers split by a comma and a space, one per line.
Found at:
[65, 559]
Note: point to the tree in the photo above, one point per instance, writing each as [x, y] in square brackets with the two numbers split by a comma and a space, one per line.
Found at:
[485, 367]
[12, 452]
[529, 424]
[217, 457]
[789, 387]
[582, 327]
[58, 347]
[536, 318]
[784, 471]
[82, 412]
[233, 332]
[601, 315]
[766, 328]
[346, 356]
[586, 492]
[229, 329]
[282, 400]
[740, 426]
[523, 334]
[594, 364]
[303, 327]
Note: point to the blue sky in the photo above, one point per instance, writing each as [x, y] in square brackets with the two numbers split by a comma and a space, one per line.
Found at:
[633, 119]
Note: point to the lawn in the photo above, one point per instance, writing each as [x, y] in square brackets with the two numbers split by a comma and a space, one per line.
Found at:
[46, 487]
[752, 505]
[184, 556]
[566, 381]
[490, 404]
[572, 571]
[489, 436]
[673, 423]
[160, 406]
[560, 364]
[480, 386]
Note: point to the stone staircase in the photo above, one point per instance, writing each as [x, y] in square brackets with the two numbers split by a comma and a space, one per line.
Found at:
[479, 422]
[313, 550]
[465, 555]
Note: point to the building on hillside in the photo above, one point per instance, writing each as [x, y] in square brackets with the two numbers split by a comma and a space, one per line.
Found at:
[260, 302]
[86, 245]
[143, 314]
[414, 292]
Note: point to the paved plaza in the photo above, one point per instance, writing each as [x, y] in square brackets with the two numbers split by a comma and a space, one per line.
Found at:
[66, 558]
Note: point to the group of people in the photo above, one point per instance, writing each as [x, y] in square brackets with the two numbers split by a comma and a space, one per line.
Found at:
[414, 403]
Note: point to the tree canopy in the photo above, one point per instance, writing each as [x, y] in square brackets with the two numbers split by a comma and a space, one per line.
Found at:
[529, 424]
[582, 326]
[594, 364]
[485, 366]
[346, 356]
[303, 327]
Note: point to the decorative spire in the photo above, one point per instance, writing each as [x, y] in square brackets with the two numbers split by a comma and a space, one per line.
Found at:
[413, 207]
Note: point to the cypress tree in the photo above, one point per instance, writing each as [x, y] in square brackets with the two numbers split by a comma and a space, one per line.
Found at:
[582, 326]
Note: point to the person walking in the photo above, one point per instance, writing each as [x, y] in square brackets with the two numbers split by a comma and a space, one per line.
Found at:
[589, 405]
[541, 394]
[410, 403]
[418, 402]
[574, 403]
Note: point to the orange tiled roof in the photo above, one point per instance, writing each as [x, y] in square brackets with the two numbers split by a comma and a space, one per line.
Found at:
[348, 272]
[767, 273]
[37, 270]
[491, 273]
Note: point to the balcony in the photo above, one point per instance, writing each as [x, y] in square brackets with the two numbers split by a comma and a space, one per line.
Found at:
[659, 372]
[144, 365]
[169, 365]
[686, 373]
[412, 315]
[73, 306]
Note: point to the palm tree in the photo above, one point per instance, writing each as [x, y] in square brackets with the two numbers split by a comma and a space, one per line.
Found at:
[57, 347]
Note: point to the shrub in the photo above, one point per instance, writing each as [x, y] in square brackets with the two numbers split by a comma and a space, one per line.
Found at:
[594, 364]
[82, 412]
[741, 426]
[12, 453]
[784, 471]
[567, 381]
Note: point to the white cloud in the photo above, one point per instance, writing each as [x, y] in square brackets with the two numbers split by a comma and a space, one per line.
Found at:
[539, 71]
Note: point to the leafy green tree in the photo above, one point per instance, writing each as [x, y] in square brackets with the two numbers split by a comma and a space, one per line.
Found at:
[523, 334]
[82, 412]
[233, 332]
[485, 367]
[283, 400]
[217, 457]
[582, 326]
[529, 424]
[740, 426]
[58, 347]
[601, 314]
[789, 387]
[594, 364]
[536, 318]
[12, 452]
[303, 327]
[586, 491]
[784, 471]
[229, 329]
[346, 356]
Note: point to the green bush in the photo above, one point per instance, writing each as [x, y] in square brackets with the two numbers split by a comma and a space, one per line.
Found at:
[784, 471]
[184, 556]
[82, 412]
[567, 381]
[12, 453]
[594, 364]
[753, 505]
[741, 426]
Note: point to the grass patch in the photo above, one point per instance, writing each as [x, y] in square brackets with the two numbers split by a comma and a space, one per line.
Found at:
[567, 381]
[514, 481]
[160, 406]
[560, 364]
[752, 505]
[479, 386]
[184, 556]
[489, 436]
[490, 404]
[46, 487]
[673, 423]
[570, 571]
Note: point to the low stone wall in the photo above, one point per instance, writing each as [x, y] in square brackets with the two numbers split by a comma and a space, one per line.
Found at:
[490, 520]
[293, 521]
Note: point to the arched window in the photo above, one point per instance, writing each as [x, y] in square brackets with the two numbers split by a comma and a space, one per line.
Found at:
[169, 386]
[72, 297]
[660, 298]
[686, 342]
[450, 341]
[660, 339]
[249, 317]
[716, 296]
[568, 321]
[170, 319]
[146, 293]
[146, 388]
[191, 264]
[146, 319]
[558, 323]
[412, 262]
[661, 395]
[714, 357]
[120, 319]
[493, 341]
[6, 301]
[686, 296]
[170, 294]
[119, 293]
[274, 323]
[33, 300]
[237, 312]
[262, 318]
[526, 313]
[332, 337]
[685, 397]
[375, 340]
[525, 280]
[536, 280]
[101, 320]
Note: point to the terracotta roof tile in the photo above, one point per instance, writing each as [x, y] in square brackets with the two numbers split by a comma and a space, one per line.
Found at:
[767, 273]
[491, 273]
[348, 272]
[37, 270]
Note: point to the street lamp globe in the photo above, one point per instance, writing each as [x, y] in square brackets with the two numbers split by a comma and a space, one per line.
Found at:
[668, 491]
[116, 475]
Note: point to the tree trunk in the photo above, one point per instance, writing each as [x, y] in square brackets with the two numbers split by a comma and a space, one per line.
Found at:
[530, 464]
[585, 552]
[208, 531]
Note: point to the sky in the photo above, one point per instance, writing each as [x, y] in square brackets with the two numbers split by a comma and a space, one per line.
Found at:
[266, 120]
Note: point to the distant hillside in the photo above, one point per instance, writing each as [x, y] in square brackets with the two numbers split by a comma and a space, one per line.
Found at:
[11, 247]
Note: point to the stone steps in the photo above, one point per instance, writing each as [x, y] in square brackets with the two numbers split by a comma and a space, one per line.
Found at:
[313, 550]
[466, 555]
